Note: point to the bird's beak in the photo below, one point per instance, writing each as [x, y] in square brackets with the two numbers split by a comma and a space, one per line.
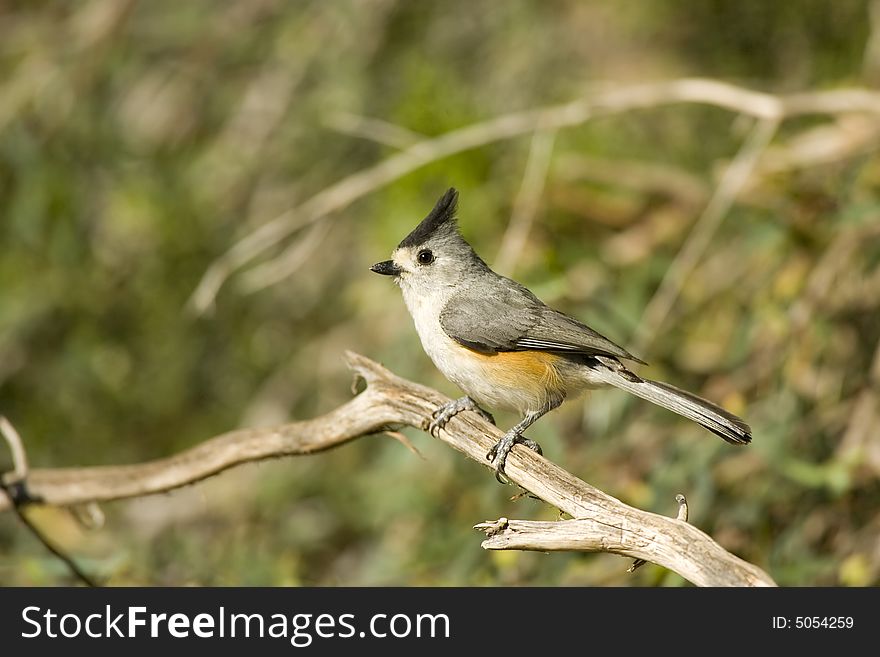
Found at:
[386, 268]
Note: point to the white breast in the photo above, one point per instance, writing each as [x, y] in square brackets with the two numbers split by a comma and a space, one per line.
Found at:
[459, 364]
[443, 350]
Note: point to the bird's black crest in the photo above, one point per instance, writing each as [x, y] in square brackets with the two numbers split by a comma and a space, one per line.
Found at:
[442, 214]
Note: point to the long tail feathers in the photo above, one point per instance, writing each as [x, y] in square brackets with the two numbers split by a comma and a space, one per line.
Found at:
[714, 418]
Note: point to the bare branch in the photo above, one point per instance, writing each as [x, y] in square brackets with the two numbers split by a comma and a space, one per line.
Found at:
[670, 543]
[682, 508]
[871, 57]
[66, 486]
[406, 442]
[859, 443]
[526, 205]
[601, 103]
[377, 130]
[492, 527]
[293, 257]
[643, 177]
[390, 401]
[17, 494]
[682, 515]
[732, 182]
[16, 450]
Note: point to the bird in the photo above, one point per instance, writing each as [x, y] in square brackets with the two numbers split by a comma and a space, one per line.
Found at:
[506, 349]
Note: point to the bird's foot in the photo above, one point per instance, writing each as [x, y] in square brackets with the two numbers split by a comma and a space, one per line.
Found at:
[448, 411]
[498, 454]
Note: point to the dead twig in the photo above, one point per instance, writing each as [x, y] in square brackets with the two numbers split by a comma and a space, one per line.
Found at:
[526, 205]
[377, 130]
[16, 451]
[860, 442]
[293, 257]
[682, 549]
[682, 515]
[732, 182]
[768, 107]
[648, 178]
[15, 486]
[387, 402]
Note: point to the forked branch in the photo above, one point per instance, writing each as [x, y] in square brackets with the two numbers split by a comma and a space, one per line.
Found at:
[387, 402]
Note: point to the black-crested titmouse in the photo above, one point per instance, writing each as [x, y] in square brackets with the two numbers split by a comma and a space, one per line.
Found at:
[505, 348]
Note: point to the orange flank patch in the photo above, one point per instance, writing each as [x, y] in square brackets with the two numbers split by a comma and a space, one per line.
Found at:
[523, 369]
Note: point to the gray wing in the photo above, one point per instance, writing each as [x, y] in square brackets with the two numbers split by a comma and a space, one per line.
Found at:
[491, 322]
[510, 318]
[561, 333]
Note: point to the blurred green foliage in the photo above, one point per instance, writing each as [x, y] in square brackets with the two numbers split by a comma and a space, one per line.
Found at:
[140, 140]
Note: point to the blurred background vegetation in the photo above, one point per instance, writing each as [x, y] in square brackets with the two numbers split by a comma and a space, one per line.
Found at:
[139, 141]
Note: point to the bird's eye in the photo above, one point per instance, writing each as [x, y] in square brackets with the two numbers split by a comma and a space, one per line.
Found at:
[425, 257]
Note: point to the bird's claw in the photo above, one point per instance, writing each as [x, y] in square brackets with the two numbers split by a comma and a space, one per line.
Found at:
[441, 416]
[499, 451]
